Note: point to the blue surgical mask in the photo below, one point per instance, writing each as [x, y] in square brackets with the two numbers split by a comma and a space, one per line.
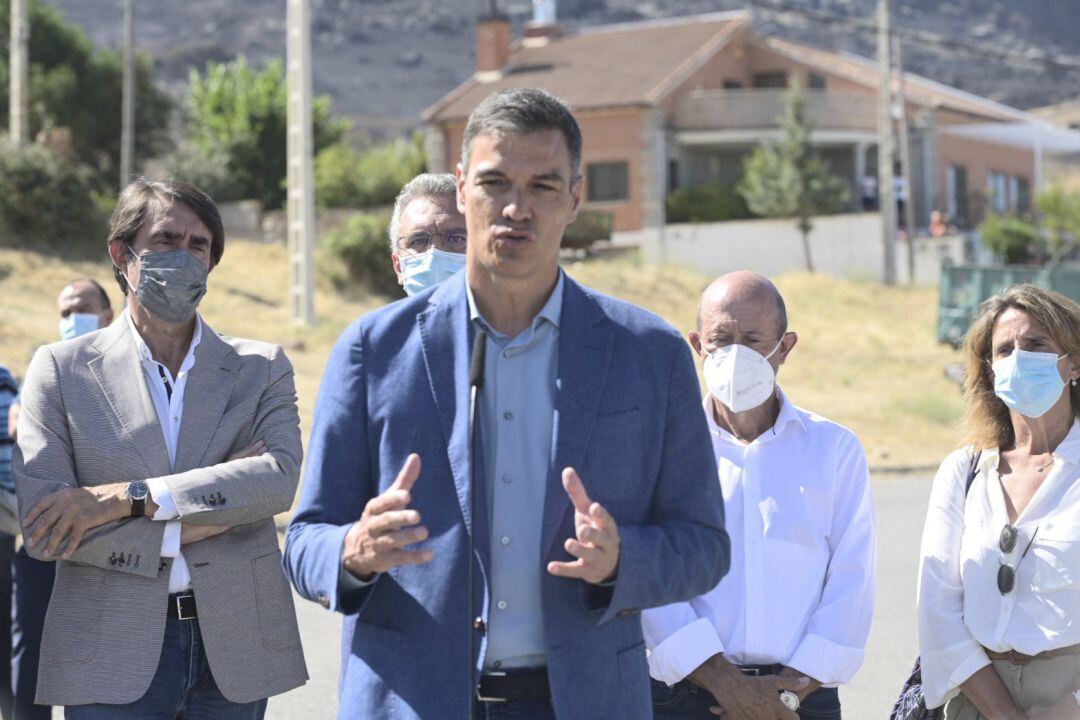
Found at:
[1029, 382]
[419, 272]
[77, 324]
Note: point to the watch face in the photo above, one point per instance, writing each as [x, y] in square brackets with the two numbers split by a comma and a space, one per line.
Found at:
[137, 490]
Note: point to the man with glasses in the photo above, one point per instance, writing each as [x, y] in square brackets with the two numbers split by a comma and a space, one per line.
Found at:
[790, 620]
[427, 232]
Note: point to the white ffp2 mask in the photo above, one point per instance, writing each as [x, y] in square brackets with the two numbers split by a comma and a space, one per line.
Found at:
[740, 377]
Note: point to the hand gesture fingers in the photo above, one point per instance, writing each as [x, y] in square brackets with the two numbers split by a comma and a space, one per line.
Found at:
[410, 471]
[378, 541]
[576, 490]
[596, 546]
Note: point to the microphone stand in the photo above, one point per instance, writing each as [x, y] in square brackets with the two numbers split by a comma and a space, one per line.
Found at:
[476, 384]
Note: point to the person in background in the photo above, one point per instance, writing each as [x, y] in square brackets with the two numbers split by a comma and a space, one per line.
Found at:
[427, 232]
[83, 306]
[790, 622]
[999, 578]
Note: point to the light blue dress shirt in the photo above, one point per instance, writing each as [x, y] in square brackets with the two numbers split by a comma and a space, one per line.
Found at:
[516, 413]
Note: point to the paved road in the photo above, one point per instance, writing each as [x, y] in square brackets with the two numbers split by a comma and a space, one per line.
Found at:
[901, 504]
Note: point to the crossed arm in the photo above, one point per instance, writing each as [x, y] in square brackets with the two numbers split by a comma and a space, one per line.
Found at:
[92, 524]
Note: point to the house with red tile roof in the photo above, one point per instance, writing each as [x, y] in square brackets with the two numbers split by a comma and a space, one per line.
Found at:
[681, 102]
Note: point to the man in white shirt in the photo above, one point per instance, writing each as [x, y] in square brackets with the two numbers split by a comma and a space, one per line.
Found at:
[789, 621]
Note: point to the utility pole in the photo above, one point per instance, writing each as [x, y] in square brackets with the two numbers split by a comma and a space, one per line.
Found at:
[886, 202]
[300, 210]
[127, 102]
[19, 65]
[905, 160]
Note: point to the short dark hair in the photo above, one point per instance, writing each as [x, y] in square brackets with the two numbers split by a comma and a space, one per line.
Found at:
[520, 111]
[104, 296]
[134, 203]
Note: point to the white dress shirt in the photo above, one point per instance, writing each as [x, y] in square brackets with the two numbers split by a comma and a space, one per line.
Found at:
[800, 591]
[961, 610]
[170, 411]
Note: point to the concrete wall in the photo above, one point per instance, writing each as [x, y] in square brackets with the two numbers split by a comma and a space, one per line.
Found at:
[845, 246]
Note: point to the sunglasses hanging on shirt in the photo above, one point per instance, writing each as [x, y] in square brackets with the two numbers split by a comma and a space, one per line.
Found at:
[1006, 577]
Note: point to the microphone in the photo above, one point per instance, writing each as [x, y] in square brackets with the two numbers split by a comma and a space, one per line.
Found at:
[476, 624]
[476, 366]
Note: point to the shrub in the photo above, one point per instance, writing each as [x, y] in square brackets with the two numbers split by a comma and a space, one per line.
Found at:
[347, 178]
[587, 228]
[337, 176]
[360, 256]
[209, 170]
[706, 203]
[1016, 240]
[47, 201]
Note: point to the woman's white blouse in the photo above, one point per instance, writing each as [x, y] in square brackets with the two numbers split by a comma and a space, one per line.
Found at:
[961, 610]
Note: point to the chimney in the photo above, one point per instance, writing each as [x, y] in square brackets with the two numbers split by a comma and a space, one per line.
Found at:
[543, 26]
[492, 44]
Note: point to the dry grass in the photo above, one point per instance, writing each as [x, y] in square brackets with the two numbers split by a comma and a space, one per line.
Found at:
[866, 357]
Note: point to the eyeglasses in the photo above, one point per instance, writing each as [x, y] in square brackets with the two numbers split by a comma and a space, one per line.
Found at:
[1006, 577]
[420, 242]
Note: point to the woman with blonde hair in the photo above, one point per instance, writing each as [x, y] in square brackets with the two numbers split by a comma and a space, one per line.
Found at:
[999, 579]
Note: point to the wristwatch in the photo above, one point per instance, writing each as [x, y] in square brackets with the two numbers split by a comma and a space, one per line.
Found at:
[137, 491]
[790, 700]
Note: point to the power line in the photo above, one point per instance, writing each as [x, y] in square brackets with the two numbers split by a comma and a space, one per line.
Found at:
[1036, 60]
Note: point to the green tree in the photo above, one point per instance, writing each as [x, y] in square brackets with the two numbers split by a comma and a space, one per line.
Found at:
[238, 113]
[1059, 216]
[372, 177]
[1015, 239]
[787, 178]
[77, 86]
[47, 202]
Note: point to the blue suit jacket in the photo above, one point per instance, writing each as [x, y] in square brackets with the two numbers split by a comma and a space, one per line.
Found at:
[627, 416]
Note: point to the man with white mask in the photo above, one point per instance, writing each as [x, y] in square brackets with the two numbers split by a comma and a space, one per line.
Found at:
[427, 232]
[790, 620]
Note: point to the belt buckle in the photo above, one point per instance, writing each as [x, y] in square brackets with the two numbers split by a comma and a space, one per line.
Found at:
[483, 698]
[180, 607]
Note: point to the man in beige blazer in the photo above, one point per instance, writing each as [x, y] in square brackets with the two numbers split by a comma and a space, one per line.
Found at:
[153, 456]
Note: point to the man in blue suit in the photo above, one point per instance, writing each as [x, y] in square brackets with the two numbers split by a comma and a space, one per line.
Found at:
[596, 487]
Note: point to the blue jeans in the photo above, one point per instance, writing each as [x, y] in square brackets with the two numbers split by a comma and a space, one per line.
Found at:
[182, 687]
[685, 700]
[32, 587]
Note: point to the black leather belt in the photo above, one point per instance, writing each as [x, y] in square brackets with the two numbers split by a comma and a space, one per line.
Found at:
[182, 606]
[514, 684]
[758, 670]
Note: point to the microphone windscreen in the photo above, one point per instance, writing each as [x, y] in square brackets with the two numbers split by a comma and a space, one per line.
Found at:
[476, 366]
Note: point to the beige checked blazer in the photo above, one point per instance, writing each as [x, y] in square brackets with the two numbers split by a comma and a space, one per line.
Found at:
[88, 419]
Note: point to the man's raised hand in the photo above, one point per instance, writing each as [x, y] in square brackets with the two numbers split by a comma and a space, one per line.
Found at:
[596, 546]
[379, 540]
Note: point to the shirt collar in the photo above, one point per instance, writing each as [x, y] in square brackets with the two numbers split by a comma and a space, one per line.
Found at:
[144, 349]
[788, 414]
[551, 312]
